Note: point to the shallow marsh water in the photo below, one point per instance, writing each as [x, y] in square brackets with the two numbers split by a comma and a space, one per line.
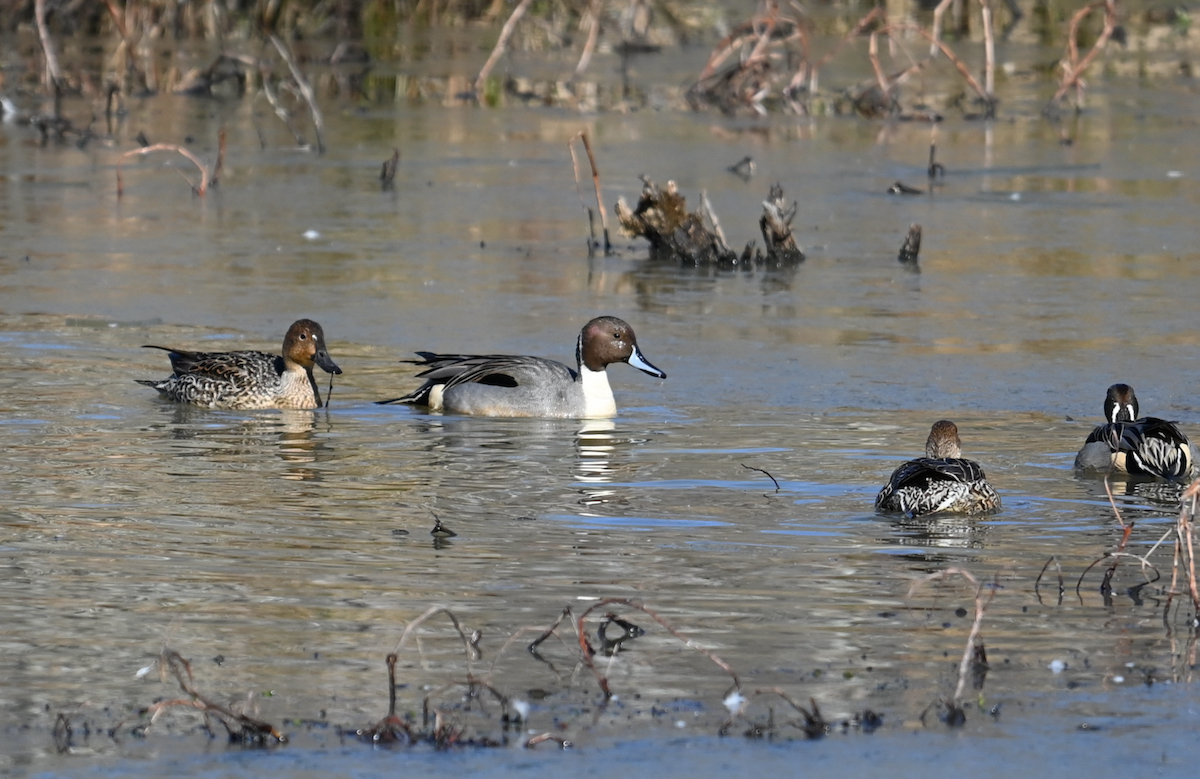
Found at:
[296, 546]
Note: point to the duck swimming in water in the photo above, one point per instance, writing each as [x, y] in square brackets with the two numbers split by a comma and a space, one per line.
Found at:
[1148, 446]
[519, 386]
[940, 482]
[250, 380]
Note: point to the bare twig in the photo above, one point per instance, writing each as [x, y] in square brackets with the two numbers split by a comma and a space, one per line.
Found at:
[964, 666]
[587, 147]
[593, 33]
[712, 217]
[239, 726]
[471, 652]
[305, 90]
[760, 470]
[204, 175]
[498, 51]
[989, 55]
[1037, 581]
[52, 78]
[1072, 66]
[936, 27]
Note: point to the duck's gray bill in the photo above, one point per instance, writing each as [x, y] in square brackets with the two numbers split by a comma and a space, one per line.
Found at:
[642, 364]
[322, 358]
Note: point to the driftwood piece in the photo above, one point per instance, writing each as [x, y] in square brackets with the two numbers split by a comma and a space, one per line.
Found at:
[776, 226]
[662, 218]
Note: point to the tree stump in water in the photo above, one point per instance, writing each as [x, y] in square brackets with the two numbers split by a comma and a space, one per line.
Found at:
[776, 226]
[674, 233]
[662, 218]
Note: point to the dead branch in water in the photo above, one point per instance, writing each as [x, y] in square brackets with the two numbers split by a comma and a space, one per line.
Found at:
[974, 656]
[1072, 66]
[593, 34]
[1119, 553]
[204, 174]
[768, 475]
[1038, 580]
[498, 51]
[305, 90]
[1185, 552]
[52, 77]
[587, 147]
[240, 727]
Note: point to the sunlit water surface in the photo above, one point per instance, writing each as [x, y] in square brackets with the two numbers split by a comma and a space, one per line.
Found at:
[294, 547]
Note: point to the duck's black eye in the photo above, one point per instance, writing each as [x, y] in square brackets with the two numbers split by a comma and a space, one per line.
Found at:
[303, 337]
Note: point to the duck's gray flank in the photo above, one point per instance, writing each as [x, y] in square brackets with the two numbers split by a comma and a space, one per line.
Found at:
[250, 379]
[525, 386]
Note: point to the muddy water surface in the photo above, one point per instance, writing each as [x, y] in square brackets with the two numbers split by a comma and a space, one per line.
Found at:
[294, 547]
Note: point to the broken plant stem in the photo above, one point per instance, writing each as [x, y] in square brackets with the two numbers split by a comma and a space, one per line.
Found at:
[305, 90]
[471, 652]
[52, 77]
[593, 34]
[587, 146]
[1073, 68]
[989, 53]
[204, 176]
[712, 217]
[505, 33]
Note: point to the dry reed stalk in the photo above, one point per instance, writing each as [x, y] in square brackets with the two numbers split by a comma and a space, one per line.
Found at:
[52, 77]
[204, 175]
[283, 113]
[1073, 67]
[964, 666]
[989, 52]
[248, 728]
[587, 147]
[880, 78]
[936, 27]
[960, 66]
[505, 33]
[712, 217]
[593, 34]
[305, 90]
[1185, 551]
[471, 650]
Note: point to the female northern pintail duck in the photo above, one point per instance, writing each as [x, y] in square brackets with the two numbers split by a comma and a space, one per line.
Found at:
[509, 386]
[941, 481]
[1126, 444]
[249, 380]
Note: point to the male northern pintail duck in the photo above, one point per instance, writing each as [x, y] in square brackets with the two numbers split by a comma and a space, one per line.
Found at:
[510, 386]
[249, 380]
[941, 481]
[1126, 444]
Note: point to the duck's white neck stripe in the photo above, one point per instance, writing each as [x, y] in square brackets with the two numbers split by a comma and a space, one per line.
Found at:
[597, 394]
